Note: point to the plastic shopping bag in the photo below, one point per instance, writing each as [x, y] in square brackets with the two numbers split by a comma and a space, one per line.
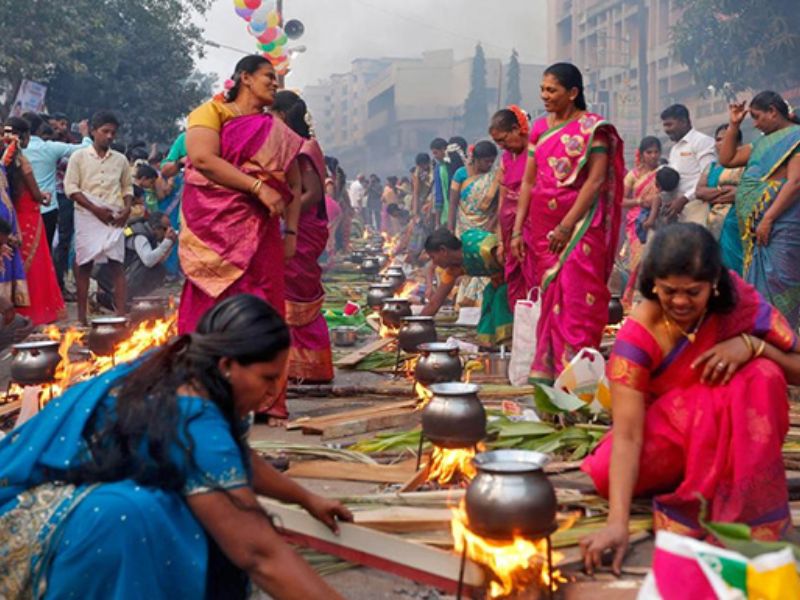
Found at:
[585, 377]
[523, 342]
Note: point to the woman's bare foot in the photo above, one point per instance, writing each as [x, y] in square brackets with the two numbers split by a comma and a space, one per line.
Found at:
[276, 422]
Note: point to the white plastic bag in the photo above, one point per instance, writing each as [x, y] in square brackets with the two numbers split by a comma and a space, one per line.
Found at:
[523, 342]
[585, 377]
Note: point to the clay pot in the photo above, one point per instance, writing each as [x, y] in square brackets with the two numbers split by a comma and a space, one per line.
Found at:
[615, 311]
[454, 417]
[415, 331]
[148, 308]
[438, 363]
[106, 333]
[34, 363]
[370, 265]
[377, 294]
[511, 495]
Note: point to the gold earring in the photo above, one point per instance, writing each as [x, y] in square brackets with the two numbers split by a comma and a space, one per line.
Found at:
[716, 290]
[655, 290]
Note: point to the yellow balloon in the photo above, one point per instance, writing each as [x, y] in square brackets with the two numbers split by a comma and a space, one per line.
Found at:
[239, 4]
[276, 52]
[273, 19]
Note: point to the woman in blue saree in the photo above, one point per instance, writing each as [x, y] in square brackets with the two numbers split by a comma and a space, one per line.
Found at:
[139, 483]
[766, 199]
[13, 286]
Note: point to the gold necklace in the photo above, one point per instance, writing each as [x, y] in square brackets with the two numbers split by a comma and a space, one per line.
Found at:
[235, 107]
[690, 335]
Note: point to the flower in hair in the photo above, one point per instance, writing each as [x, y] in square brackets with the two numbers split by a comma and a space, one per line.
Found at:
[228, 85]
[522, 119]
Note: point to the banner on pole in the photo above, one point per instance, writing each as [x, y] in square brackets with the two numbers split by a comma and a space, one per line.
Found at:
[30, 98]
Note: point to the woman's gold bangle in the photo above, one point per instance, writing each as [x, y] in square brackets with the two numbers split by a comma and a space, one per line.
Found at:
[254, 189]
[749, 343]
[516, 234]
[761, 347]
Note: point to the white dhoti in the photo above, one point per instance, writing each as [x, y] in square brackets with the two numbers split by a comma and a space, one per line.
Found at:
[94, 240]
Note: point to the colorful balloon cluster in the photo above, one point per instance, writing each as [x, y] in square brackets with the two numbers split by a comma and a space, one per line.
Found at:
[264, 25]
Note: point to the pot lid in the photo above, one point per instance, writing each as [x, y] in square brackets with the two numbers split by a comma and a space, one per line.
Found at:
[381, 286]
[40, 345]
[454, 388]
[418, 319]
[397, 300]
[437, 347]
[109, 320]
[510, 461]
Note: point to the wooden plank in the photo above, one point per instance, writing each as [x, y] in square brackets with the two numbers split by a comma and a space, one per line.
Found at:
[320, 422]
[352, 359]
[401, 417]
[331, 469]
[405, 519]
[10, 407]
[375, 549]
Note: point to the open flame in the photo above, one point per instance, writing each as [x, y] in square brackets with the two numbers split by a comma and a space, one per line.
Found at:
[448, 463]
[424, 395]
[147, 335]
[409, 289]
[515, 565]
[390, 243]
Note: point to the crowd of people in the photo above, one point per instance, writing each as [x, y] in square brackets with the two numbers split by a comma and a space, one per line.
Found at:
[703, 246]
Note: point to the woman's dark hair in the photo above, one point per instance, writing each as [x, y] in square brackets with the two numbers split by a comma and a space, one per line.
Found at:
[294, 110]
[569, 76]
[688, 249]
[5, 227]
[503, 120]
[146, 416]
[144, 171]
[458, 141]
[249, 64]
[442, 237]
[16, 184]
[648, 142]
[484, 149]
[724, 127]
[767, 99]
[103, 117]
[423, 158]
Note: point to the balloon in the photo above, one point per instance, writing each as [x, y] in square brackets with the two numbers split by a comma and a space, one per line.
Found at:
[268, 36]
[252, 4]
[239, 4]
[255, 29]
[244, 13]
[260, 15]
[276, 51]
[294, 29]
[282, 40]
[273, 19]
[268, 47]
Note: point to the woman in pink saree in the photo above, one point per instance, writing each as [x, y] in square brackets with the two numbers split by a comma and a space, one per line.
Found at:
[510, 130]
[567, 225]
[698, 383]
[240, 179]
[310, 357]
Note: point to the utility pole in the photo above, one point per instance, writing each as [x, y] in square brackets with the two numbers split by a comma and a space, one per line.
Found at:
[644, 76]
[279, 8]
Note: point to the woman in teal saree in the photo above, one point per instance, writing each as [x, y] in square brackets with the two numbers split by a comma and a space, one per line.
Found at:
[139, 483]
[767, 200]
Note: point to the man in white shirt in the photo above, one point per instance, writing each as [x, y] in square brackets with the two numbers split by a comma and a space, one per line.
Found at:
[358, 194]
[690, 155]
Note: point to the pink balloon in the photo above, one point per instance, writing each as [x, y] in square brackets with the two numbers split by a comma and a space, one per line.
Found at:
[252, 4]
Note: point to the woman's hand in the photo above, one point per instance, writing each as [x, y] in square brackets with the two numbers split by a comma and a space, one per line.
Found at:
[727, 195]
[611, 537]
[518, 249]
[723, 360]
[500, 253]
[274, 202]
[764, 231]
[650, 222]
[328, 511]
[559, 238]
[737, 111]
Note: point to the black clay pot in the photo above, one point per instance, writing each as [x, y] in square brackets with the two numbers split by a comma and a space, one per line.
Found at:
[438, 363]
[370, 265]
[454, 417]
[106, 333]
[377, 294]
[615, 311]
[394, 310]
[416, 331]
[511, 495]
[357, 257]
[34, 363]
[148, 308]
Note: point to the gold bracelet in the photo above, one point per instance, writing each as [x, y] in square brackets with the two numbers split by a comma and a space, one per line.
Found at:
[749, 343]
[760, 349]
[516, 234]
[254, 189]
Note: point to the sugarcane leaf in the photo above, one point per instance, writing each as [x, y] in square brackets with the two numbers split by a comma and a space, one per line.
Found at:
[524, 428]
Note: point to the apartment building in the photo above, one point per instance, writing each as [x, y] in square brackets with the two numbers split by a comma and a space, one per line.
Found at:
[377, 117]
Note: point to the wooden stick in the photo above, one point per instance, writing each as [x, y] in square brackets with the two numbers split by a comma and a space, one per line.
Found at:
[352, 359]
[332, 469]
[420, 563]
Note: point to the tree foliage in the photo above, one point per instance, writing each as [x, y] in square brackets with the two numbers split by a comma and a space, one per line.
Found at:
[135, 57]
[476, 113]
[514, 91]
[744, 43]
